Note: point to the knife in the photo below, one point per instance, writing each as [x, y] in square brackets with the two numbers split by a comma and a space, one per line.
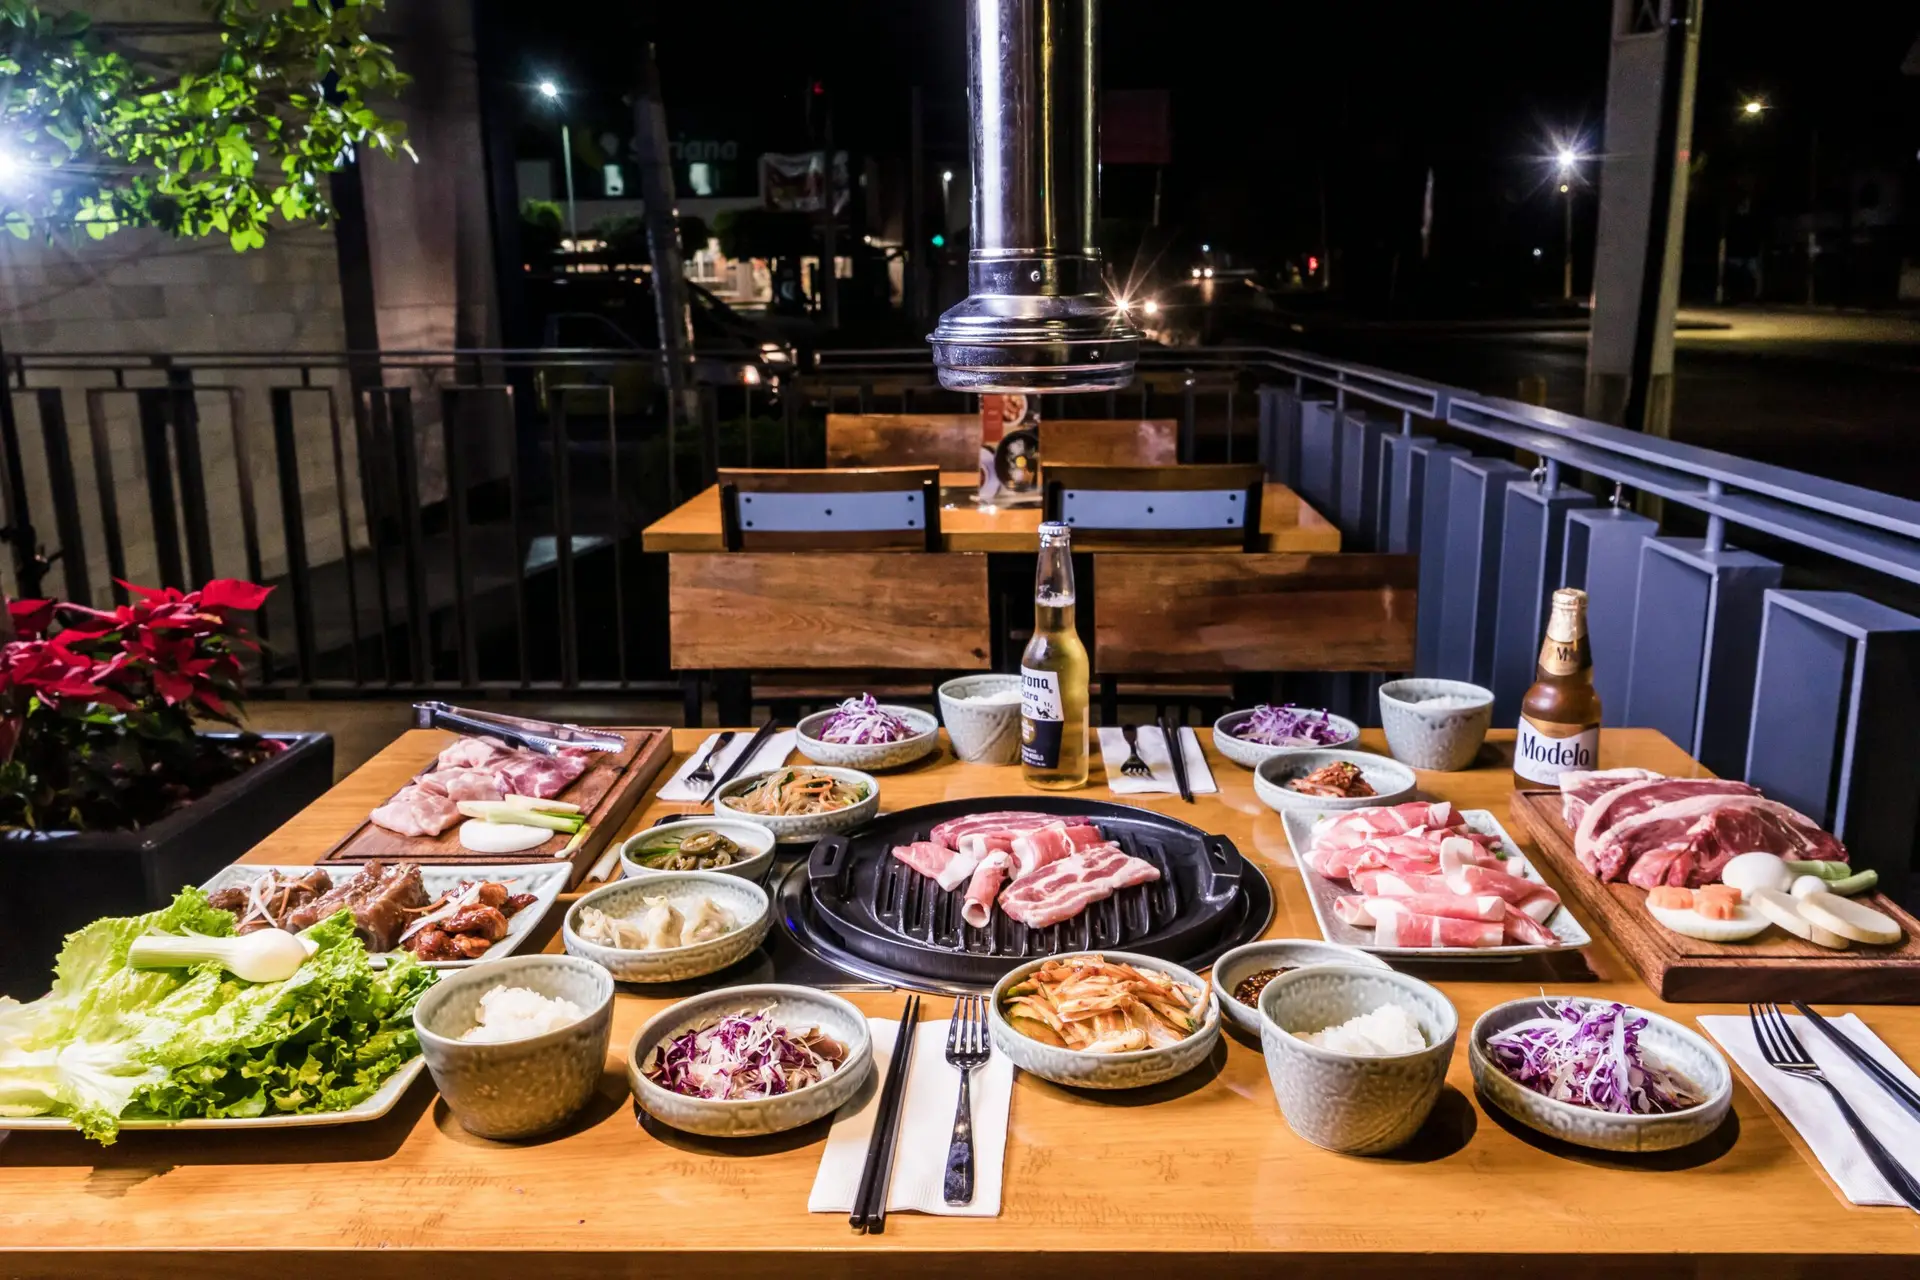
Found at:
[1901, 1091]
[544, 736]
[1177, 756]
[740, 761]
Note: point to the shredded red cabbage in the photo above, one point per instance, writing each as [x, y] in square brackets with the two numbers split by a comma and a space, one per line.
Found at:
[1591, 1057]
[861, 720]
[744, 1055]
[1288, 726]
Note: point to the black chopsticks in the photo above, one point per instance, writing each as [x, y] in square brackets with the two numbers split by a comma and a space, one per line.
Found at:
[1177, 754]
[870, 1198]
[1901, 1091]
[739, 761]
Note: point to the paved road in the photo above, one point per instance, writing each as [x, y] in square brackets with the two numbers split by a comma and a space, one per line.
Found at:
[1837, 395]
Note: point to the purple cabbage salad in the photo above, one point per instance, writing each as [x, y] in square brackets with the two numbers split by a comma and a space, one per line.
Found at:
[1288, 726]
[744, 1055]
[1591, 1057]
[862, 721]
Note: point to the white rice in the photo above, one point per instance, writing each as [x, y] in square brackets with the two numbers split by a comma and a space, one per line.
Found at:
[1448, 702]
[1385, 1031]
[515, 1013]
[997, 698]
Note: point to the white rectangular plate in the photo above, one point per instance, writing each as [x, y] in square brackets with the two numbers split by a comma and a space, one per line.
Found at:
[544, 880]
[381, 1101]
[1301, 825]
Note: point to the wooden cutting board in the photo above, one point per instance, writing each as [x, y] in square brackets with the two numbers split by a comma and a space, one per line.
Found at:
[1774, 966]
[606, 793]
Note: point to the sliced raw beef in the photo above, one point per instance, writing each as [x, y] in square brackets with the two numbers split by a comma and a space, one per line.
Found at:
[1367, 912]
[529, 773]
[1378, 883]
[1687, 842]
[1363, 825]
[1523, 930]
[416, 811]
[1035, 849]
[1069, 886]
[1631, 800]
[977, 910]
[1581, 787]
[473, 753]
[1398, 927]
[1523, 895]
[1012, 822]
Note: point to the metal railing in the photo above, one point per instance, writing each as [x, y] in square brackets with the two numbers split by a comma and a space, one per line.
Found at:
[471, 521]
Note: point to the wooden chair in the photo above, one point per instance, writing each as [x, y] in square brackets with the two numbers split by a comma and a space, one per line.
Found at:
[1161, 506]
[1109, 442]
[865, 509]
[1202, 614]
[945, 441]
[825, 571]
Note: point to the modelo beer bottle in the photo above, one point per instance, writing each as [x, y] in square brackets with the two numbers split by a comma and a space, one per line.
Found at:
[1559, 727]
[1053, 674]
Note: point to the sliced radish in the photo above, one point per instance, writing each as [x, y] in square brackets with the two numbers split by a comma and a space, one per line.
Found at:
[1850, 919]
[1784, 910]
[1746, 923]
[482, 836]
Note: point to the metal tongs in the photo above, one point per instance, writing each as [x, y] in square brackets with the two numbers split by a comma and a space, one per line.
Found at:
[544, 736]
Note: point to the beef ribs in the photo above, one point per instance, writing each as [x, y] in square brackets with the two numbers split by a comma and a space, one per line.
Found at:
[1686, 842]
[1581, 787]
[1624, 803]
[381, 896]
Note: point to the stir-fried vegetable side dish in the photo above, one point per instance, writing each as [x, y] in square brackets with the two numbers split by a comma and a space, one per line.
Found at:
[794, 793]
[744, 1055]
[1085, 1003]
[691, 851]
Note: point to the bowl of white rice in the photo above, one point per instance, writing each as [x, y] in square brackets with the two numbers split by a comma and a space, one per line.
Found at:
[1435, 724]
[518, 1046]
[1356, 1055]
[982, 715]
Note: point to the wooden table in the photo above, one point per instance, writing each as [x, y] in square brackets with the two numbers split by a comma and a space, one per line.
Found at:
[1198, 1177]
[1288, 523]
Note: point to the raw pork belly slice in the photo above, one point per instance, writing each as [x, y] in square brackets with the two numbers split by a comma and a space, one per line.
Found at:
[416, 811]
[1581, 787]
[529, 773]
[1399, 927]
[1011, 821]
[1632, 800]
[1074, 883]
[1687, 842]
[977, 910]
[1035, 849]
[926, 857]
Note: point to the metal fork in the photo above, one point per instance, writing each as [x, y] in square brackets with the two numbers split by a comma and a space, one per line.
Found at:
[705, 772]
[1784, 1052]
[1133, 766]
[968, 1046]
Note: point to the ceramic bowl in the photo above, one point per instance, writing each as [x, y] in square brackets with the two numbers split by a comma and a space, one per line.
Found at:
[870, 755]
[795, 1007]
[1106, 1070]
[1435, 724]
[1250, 754]
[1276, 953]
[1674, 1045]
[516, 1088]
[1346, 1102]
[744, 900]
[1392, 782]
[982, 732]
[814, 825]
[754, 840]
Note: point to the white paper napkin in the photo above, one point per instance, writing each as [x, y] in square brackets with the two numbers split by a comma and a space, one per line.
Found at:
[926, 1130]
[1153, 750]
[773, 752]
[1811, 1109]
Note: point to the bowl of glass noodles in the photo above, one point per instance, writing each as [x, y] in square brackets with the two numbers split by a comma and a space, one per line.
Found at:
[669, 927]
[862, 733]
[1249, 737]
[801, 802]
[743, 849]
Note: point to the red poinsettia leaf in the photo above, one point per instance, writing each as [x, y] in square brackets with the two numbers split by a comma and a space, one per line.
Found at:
[31, 618]
[173, 687]
[232, 593]
[150, 593]
[213, 704]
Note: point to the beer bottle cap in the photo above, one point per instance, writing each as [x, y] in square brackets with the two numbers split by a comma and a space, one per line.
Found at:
[1055, 533]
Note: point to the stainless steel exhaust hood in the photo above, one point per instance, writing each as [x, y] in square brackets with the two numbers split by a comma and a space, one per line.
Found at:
[1038, 316]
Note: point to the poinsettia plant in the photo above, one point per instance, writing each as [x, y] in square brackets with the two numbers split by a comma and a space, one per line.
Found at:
[98, 707]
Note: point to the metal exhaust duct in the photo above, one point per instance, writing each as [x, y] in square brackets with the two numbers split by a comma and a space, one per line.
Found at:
[1037, 316]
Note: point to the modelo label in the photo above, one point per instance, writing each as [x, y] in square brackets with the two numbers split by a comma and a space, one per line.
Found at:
[1042, 718]
[1542, 752]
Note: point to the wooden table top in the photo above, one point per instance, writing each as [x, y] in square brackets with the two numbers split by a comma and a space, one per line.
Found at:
[1197, 1177]
[1289, 523]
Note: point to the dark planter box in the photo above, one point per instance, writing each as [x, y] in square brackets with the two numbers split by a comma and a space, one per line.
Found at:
[53, 882]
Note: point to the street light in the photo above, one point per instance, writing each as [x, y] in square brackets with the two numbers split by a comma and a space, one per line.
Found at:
[1568, 160]
[1752, 107]
[551, 92]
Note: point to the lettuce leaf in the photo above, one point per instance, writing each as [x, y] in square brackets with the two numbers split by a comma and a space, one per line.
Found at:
[111, 1042]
